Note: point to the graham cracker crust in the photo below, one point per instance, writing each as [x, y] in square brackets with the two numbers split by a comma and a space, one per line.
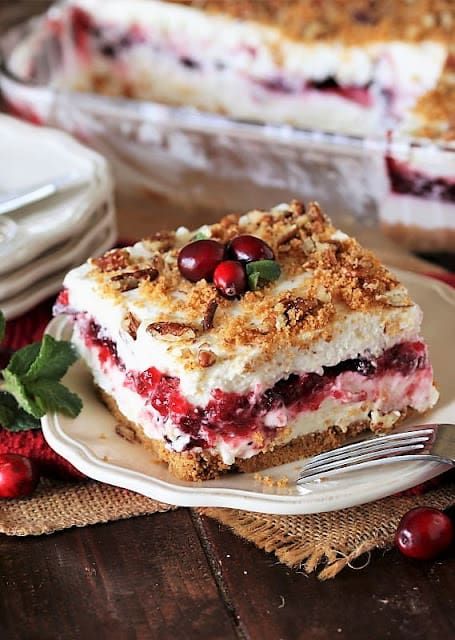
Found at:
[420, 239]
[192, 466]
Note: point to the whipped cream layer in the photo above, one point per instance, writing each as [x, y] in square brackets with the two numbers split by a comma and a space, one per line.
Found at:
[412, 211]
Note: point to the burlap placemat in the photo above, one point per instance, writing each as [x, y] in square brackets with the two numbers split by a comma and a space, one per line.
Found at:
[333, 539]
[57, 505]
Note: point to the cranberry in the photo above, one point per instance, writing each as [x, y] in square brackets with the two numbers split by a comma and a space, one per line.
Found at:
[424, 533]
[230, 278]
[199, 259]
[250, 249]
[18, 476]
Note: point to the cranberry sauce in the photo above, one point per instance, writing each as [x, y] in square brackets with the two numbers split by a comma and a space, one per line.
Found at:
[87, 35]
[406, 180]
[106, 348]
[233, 414]
[360, 95]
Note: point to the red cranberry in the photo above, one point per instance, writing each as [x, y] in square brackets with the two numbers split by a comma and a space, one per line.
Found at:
[250, 248]
[424, 533]
[230, 278]
[18, 476]
[198, 259]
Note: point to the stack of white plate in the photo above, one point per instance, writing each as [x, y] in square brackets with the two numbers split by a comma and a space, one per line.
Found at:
[40, 242]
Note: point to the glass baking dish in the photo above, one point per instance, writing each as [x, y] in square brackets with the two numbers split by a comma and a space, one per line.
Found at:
[199, 162]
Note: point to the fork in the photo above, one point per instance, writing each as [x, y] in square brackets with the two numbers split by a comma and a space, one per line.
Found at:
[430, 442]
[14, 200]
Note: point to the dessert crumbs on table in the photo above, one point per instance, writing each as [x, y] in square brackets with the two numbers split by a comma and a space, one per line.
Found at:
[268, 481]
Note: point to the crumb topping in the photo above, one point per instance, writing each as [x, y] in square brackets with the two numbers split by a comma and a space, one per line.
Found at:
[435, 109]
[324, 274]
[350, 21]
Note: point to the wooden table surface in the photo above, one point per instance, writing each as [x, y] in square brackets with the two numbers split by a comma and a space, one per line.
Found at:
[178, 575]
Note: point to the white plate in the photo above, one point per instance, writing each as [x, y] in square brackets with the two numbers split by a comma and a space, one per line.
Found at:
[62, 257]
[35, 155]
[90, 443]
[50, 284]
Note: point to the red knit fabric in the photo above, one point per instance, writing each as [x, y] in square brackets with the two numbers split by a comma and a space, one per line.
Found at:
[30, 327]
[20, 332]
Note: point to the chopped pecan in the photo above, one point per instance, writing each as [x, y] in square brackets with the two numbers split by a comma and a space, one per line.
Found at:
[206, 358]
[292, 232]
[171, 331]
[112, 260]
[316, 218]
[207, 322]
[158, 262]
[298, 207]
[160, 241]
[295, 309]
[131, 324]
[130, 279]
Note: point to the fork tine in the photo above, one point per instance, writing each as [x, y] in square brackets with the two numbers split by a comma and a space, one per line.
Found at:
[375, 444]
[372, 463]
[344, 463]
[425, 432]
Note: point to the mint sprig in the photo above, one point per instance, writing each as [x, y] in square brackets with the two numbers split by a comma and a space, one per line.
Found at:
[261, 272]
[31, 383]
[13, 417]
[200, 235]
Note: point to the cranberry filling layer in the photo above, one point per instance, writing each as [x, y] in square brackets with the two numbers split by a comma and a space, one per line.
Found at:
[233, 415]
[403, 179]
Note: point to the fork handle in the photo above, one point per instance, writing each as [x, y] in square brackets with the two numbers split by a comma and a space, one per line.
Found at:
[18, 199]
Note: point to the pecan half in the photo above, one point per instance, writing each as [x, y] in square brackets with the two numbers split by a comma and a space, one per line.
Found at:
[112, 260]
[171, 331]
[207, 322]
[130, 279]
[131, 324]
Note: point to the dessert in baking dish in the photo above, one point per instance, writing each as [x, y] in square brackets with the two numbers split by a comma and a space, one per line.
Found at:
[419, 208]
[352, 67]
[252, 342]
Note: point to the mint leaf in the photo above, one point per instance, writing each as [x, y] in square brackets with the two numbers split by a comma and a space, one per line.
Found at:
[253, 281]
[2, 326]
[200, 235]
[52, 362]
[31, 384]
[50, 395]
[12, 417]
[23, 359]
[14, 386]
[261, 272]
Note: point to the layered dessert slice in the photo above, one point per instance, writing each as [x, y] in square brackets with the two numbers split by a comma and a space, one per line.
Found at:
[255, 341]
[338, 66]
[419, 208]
